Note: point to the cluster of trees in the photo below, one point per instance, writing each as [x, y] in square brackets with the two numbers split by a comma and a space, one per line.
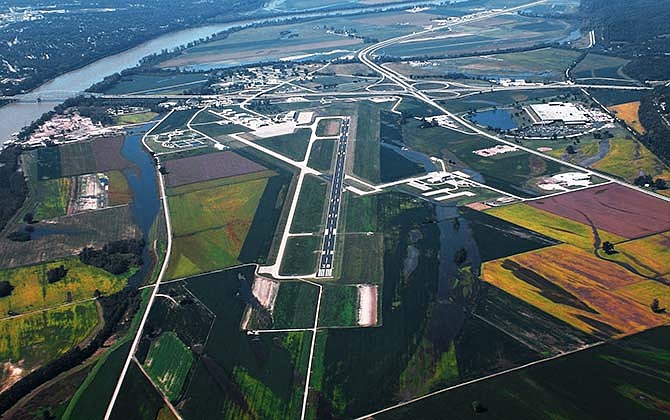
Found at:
[116, 257]
[60, 42]
[115, 309]
[644, 180]
[653, 119]
[632, 29]
[56, 274]
[5, 288]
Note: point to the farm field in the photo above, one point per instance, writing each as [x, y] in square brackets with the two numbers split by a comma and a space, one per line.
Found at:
[119, 190]
[51, 197]
[551, 225]
[578, 288]
[628, 158]
[207, 167]
[629, 113]
[607, 206]
[168, 363]
[624, 379]
[649, 255]
[211, 226]
[66, 236]
[101, 155]
[138, 399]
[32, 340]
[33, 292]
[241, 360]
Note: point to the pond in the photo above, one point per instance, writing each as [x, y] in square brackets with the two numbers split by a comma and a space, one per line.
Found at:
[495, 118]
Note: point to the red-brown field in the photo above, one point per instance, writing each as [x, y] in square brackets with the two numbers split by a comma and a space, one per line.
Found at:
[210, 166]
[612, 207]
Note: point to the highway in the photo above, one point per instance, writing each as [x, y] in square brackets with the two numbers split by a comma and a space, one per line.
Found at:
[328, 250]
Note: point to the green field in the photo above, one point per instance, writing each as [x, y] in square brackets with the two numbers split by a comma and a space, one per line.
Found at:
[311, 203]
[32, 340]
[138, 399]
[627, 379]
[218, 130]
[32, 291]
[301, 255]
[51, 197]
[119, 190]
[211, 225]
[137, 118]
[328, 127]
[177, 119]
[338, 306]
[168, 364]
[264, 375]
[367, 149]
[292, 145]
[362, 257]
[155, 82]
[295, 306]
[321, 157]
[597, 65]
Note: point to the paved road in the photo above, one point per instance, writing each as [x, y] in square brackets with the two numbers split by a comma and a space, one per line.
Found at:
[328, 251]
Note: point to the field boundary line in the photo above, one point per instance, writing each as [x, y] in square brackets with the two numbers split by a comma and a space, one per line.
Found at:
[483, 378]
[50, 308]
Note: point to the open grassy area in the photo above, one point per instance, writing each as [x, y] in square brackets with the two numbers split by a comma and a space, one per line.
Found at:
[589, 293]
[328, 127]
[211, 226]
[295, 306]
[629, 113]
[367, 149]
[137, 118]
[138, 398]
[154, 82]
[627, 158]
[551, 225]
[321, 157]
[624, 379]
[598, 65]
[168, 364]
[301, 255]
[292, 145]
[361, 259]
[177, 119]
[309, 213]
[32, 291]
[339, 306]
[32, 340]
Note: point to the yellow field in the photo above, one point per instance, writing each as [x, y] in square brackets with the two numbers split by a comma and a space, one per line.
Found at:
[551, 225]
[649, 255]
[629, 112]
[571, 284]
[34, 339]
[627, 158]
[32, 291]
[119, 190]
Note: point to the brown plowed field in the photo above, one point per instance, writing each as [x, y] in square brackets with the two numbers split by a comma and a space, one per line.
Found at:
[210, 166]
[612, 207]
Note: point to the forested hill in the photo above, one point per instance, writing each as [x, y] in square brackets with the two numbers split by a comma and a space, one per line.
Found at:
[637, 29]
[62, 36]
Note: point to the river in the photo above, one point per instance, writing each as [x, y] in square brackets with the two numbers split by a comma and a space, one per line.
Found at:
[15, 116]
